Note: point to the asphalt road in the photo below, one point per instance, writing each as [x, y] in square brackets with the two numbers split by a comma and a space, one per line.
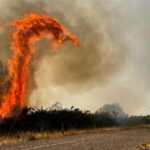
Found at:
[114, 140]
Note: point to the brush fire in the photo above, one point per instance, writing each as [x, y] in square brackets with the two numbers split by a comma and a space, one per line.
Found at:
[93, 96]
[25, 33]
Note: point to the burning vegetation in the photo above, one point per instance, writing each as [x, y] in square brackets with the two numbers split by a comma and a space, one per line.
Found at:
[26, 32]
[14, 84]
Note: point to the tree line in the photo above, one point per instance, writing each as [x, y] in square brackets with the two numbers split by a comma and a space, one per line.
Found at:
[33, 119]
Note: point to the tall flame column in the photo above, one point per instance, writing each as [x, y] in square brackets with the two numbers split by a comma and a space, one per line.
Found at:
[28, 31]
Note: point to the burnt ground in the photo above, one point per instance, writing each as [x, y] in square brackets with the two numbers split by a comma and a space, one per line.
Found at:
[113, 140]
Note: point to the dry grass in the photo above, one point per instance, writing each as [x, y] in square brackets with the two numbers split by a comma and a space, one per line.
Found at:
[23, 137]
[31, 136]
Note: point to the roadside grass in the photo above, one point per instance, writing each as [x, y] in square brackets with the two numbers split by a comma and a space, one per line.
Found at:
[23, 137]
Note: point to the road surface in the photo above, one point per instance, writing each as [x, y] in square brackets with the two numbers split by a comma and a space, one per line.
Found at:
[114, 140]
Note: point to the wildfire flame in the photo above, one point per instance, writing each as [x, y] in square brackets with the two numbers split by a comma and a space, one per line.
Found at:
[28, 31]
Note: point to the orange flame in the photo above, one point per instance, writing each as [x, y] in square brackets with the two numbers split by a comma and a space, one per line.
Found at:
[28, 31]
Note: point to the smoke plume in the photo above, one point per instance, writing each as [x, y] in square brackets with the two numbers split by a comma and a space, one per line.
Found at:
[111, 65]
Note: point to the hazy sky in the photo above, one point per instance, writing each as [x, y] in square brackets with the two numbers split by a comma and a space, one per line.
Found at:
[112, 63]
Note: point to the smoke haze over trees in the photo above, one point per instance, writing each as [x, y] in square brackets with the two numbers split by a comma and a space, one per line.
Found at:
[40, 120]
